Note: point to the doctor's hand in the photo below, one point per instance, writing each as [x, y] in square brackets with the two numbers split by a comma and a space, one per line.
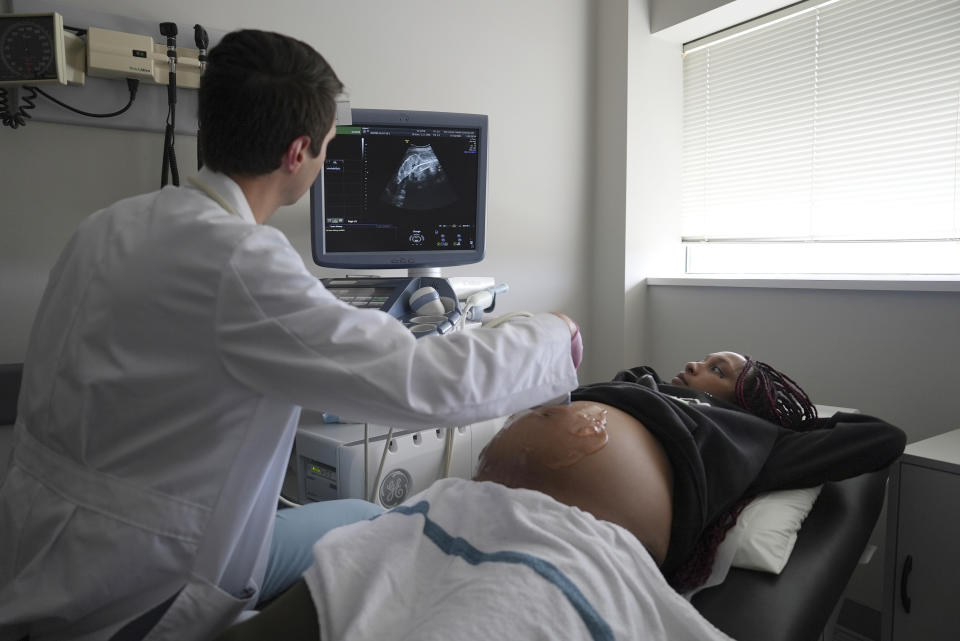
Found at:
[576, 341]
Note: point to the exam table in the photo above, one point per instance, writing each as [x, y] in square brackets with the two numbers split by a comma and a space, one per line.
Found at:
[10, 375]
[796, 604]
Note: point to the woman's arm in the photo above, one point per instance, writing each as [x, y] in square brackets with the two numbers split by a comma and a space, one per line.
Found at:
[855, 444]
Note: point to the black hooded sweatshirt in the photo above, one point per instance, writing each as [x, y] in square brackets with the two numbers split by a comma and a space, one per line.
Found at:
[721, 454]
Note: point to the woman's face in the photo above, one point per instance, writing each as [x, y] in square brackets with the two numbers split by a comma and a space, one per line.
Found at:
[716, 374]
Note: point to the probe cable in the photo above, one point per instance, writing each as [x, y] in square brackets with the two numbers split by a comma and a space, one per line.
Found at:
[383, 459]
[287, 502]
[448, 451]
[506, 318]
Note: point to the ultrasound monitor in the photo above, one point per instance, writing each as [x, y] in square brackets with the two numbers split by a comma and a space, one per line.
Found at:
[402, 189]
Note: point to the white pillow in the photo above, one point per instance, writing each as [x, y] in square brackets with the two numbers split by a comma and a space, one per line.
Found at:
[767, 529]
[763, 536]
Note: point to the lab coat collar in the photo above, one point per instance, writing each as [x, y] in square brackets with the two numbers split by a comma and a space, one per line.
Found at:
[228, 190]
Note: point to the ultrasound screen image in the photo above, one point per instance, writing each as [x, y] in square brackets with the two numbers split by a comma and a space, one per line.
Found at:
[401, 188]
[420, 182]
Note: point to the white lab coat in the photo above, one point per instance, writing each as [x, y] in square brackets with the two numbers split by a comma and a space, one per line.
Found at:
[172, 351]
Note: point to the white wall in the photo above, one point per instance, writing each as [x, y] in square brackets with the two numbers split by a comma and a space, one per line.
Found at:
[527, 65]
[607, 248]
[636, 176]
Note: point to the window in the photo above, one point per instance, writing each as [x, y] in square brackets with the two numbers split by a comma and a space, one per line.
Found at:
[825, 138]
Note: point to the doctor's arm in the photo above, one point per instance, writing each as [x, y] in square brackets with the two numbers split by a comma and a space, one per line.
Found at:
[280, 332]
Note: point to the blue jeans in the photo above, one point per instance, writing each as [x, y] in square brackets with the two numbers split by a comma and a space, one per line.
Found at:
[295, 531]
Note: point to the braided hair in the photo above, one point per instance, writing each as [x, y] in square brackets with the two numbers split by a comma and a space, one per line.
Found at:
[693, 572]
[768, 393]
[763, 391]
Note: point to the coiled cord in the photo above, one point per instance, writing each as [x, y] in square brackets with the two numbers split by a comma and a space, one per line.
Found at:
[6, 119]
[20, 114]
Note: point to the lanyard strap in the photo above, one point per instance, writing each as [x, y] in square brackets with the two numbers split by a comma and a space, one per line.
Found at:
[213, 194]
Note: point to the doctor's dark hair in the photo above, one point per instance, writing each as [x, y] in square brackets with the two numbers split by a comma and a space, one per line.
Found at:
[261, 90]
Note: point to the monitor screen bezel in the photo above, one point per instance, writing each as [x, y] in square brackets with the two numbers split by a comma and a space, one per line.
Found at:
[413, 259]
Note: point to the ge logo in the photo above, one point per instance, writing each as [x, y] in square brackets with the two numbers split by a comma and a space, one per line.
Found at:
[395, 487]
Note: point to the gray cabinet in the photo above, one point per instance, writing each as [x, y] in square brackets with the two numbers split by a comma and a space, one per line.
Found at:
[922, 573]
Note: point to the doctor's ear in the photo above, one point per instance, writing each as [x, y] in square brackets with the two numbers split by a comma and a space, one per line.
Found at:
[297, 152]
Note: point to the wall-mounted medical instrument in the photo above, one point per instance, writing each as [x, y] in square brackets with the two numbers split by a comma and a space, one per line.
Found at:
[169, 31]
[38, 49]
[202, 40]
[35, 49]
[118, 54]
[402, 189]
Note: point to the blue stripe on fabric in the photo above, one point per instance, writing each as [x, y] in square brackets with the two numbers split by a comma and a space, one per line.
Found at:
[456, 546]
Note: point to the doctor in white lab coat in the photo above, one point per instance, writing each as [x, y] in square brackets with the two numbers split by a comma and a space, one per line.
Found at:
[175, 344]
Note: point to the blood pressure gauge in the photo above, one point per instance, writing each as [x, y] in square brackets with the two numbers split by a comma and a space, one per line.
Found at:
[31, 50]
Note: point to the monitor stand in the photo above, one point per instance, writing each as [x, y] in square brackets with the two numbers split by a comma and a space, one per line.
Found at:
[416, 272]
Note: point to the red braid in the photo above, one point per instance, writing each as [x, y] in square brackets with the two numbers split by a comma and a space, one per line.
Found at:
[697, 568]
[768, 393]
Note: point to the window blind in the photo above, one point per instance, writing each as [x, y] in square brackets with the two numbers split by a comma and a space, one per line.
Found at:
[831, 121]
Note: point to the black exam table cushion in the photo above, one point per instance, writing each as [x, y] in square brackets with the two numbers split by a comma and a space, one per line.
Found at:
[10, 374]
[796, 604]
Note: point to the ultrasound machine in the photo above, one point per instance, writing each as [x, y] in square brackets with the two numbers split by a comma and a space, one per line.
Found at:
[399, 189]
[403, 189]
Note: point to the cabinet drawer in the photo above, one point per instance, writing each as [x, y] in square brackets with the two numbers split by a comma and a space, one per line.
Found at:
[927, 573]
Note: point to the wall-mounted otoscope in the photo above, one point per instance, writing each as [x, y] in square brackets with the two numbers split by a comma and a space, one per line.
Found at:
[202, 41]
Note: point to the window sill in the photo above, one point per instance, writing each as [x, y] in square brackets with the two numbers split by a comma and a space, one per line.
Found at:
[817, 281]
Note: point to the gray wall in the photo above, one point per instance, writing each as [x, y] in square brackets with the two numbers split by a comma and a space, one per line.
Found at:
[886, 353]
[668, 13]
